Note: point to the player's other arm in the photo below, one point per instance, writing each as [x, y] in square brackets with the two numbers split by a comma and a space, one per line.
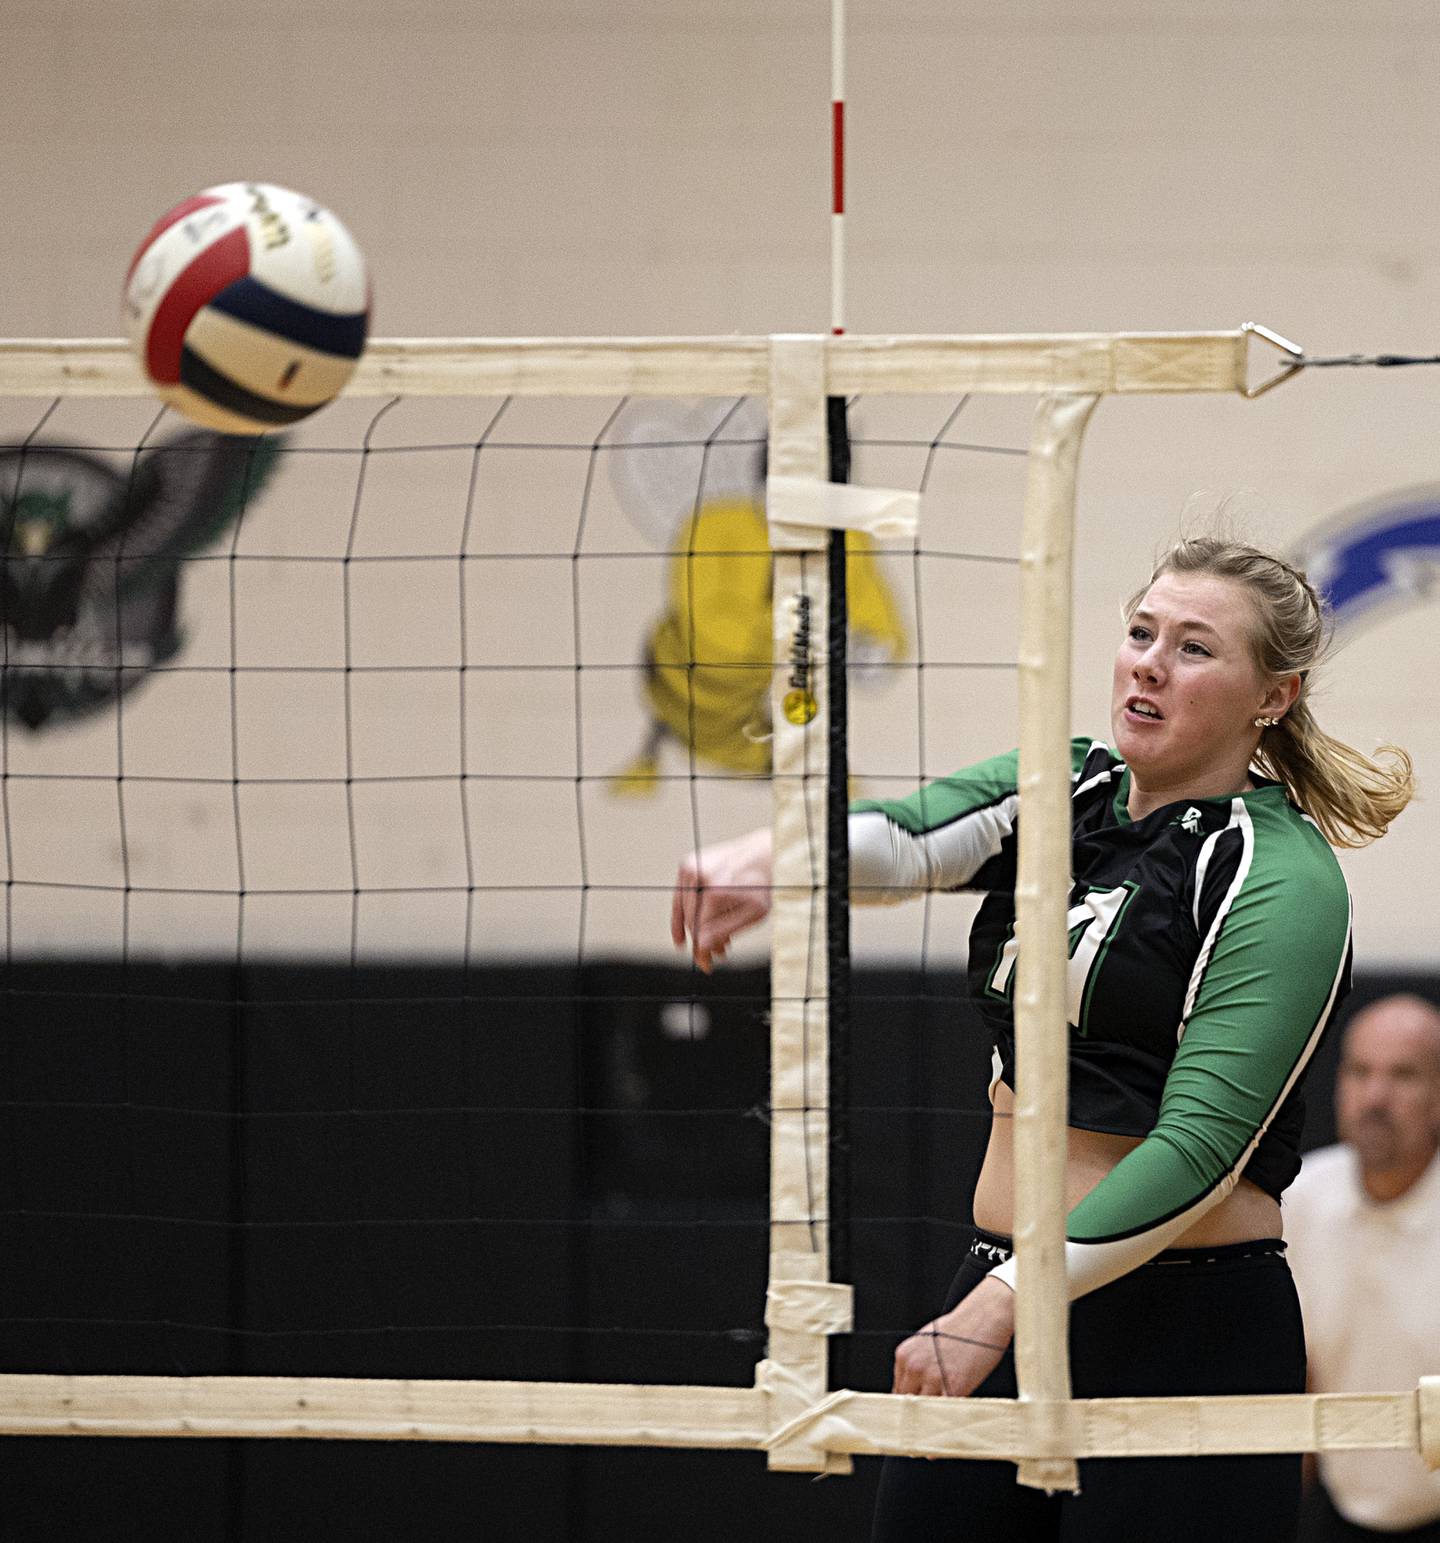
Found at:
[940, 837]
[955, 833]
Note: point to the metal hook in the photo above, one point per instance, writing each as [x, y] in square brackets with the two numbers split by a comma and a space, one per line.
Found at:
[1295, 359]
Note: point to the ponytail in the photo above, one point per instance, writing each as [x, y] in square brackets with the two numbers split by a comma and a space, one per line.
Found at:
[1350, 797]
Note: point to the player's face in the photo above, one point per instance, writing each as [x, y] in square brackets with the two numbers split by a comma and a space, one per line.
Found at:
[1187, 688]
[1387, 1092]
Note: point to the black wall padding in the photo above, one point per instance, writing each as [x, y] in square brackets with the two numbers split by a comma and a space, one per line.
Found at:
[539, 1171]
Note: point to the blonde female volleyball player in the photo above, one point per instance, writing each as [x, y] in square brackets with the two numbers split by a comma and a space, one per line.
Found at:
[1210, 946]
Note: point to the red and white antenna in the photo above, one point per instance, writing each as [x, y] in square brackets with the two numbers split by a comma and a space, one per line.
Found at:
[837, 166]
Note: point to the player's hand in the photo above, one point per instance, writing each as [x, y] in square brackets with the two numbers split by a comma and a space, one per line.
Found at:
[952, 1356]
[720, 891]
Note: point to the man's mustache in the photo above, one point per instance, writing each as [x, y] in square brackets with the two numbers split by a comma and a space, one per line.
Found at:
[1375, 1120]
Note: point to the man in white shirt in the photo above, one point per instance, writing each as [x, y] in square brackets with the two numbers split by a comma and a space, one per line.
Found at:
[1362, 1224]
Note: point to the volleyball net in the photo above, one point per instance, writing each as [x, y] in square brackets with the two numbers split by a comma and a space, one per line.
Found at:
[394, 719]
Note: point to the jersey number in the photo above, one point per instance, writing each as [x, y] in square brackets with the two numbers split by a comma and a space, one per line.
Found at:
[1092, 923]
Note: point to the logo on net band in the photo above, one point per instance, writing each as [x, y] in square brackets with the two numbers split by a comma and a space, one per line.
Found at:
[799, 704]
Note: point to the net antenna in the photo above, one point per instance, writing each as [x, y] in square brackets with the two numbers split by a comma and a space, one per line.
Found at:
[790, 1412]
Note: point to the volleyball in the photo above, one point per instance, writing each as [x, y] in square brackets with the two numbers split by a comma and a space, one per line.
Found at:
[248, 306]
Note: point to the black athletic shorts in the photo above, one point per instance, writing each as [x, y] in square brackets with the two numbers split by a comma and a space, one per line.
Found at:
[1190, 1321]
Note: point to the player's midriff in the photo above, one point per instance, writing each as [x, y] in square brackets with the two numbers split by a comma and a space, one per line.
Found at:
[1246, 1213]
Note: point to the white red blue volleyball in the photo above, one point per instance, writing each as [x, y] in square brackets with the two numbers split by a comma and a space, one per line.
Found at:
[248, 306]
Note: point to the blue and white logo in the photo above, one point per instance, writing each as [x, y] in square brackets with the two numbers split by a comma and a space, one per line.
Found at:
[1377, 557]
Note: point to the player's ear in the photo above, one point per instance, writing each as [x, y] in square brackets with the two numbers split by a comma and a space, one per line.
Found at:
[1281, 697]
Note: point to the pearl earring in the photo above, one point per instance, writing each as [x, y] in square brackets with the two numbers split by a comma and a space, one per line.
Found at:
[1266, 723]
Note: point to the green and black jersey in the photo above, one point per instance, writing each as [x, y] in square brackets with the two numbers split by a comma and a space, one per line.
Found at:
[1209, 948]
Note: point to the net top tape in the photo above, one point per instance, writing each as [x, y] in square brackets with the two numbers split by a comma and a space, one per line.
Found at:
[736, 366]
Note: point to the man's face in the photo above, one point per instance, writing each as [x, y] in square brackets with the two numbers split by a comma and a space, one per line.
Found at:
[1387, 1095]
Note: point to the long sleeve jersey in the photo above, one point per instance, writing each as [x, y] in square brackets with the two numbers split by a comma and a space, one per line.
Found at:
[1209, 949]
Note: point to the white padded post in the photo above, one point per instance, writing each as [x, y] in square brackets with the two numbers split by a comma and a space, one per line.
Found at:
[795, 1374]
[1042, 1356]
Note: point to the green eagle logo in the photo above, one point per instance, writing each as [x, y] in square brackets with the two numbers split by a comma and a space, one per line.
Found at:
[91, 555]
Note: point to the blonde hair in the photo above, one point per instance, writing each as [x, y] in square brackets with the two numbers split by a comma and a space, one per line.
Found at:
[1350, 797]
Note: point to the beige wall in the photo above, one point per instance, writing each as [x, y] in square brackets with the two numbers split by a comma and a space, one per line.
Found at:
[656, 166]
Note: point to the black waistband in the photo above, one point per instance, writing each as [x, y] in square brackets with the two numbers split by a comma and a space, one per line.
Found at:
[992, 1248]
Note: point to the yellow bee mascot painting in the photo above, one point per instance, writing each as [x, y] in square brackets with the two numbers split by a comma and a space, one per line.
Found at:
[708, 656]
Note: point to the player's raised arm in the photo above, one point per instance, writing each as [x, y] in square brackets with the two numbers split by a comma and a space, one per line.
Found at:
[954, 833]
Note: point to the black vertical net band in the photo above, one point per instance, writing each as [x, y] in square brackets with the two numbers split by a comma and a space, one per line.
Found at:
[837, 879]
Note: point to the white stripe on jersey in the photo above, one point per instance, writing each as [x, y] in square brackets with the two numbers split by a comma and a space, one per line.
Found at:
[1108, 775]
[1201, 864]
[1239, 817]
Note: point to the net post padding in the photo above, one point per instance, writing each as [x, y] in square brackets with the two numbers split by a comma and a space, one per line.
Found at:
[794, 1374]
[1042, 889]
